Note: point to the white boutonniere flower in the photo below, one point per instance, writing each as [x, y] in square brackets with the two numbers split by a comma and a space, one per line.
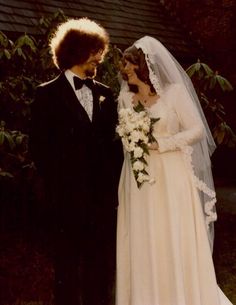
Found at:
[101, 99]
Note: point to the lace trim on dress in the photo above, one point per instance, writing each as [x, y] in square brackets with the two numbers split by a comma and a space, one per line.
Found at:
[173, 144]
[209, 205]
[153, 76]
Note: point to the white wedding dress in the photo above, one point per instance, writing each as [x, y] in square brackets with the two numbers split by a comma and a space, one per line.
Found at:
[163, 252]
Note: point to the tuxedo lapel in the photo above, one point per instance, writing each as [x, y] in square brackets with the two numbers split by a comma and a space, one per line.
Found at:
[96, 108]
[69, 97]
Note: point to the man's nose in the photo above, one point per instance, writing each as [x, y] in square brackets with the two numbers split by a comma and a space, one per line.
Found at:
[98, 56]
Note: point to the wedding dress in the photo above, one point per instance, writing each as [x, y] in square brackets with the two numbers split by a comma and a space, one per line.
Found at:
[163, 251]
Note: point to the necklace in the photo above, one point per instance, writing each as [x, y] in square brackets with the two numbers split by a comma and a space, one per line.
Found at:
[145, 96]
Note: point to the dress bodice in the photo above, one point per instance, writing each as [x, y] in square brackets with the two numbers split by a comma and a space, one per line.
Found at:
[168, 123]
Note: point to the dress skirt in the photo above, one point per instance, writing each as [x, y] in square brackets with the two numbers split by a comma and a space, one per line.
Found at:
[163, 252]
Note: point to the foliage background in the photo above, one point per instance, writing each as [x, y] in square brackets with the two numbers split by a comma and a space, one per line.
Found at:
[26, 273]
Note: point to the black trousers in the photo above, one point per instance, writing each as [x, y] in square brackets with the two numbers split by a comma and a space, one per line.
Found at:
[84, 265]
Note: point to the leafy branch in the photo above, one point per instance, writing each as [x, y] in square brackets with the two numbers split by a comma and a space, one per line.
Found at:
[211, 87]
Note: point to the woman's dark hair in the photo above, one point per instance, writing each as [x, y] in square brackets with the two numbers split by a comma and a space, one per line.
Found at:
[137, 57]
[77, 39]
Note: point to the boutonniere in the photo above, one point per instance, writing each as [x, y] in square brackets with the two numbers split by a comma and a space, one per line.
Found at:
[101, 99]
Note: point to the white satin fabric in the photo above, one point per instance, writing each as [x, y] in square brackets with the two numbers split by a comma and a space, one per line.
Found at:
[84, 95]
[163, 252]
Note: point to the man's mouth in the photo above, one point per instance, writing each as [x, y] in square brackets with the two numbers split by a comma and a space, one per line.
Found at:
[94, 63]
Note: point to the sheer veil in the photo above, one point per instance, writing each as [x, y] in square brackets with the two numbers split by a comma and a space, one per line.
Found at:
[165, 70]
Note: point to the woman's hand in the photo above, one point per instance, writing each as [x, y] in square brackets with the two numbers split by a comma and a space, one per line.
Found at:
[153, 146]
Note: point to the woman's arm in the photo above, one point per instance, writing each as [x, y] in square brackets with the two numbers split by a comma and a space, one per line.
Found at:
[192, 128]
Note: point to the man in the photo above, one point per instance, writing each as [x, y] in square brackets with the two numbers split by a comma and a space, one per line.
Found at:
[72, 144]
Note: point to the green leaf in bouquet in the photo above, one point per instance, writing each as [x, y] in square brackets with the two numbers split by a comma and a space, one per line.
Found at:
[154, 120]
[145, 148]
[139, 107]
[144, 172]
[152, 139]
[143, 160]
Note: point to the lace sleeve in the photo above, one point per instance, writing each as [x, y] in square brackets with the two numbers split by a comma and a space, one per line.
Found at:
[191, 127]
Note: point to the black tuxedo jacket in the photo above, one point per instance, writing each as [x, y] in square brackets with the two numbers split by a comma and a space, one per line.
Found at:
[77, 158]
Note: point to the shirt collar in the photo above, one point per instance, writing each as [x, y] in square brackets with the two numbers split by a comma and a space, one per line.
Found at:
[69, 75]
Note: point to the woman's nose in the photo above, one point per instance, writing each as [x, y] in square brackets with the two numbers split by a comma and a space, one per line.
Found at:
[127, 66]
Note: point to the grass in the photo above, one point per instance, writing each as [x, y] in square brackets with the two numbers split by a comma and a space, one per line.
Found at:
[26, 273]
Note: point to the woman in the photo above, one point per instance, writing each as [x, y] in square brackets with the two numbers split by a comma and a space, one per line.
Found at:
[164, 234]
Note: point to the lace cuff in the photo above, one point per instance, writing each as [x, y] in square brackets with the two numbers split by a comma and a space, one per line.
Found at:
[169, 144]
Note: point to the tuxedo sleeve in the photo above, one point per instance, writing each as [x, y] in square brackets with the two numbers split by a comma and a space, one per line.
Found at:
[39, 135]
[115, 152]
[109, 112]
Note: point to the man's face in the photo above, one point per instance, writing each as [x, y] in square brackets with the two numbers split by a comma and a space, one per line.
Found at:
[89, 68]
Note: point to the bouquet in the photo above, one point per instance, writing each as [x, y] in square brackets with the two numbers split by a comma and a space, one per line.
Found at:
[135, 129]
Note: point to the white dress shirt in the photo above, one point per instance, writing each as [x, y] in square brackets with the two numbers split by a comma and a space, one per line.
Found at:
[84, 94]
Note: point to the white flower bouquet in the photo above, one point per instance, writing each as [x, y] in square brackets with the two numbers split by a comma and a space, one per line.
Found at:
[135, 129]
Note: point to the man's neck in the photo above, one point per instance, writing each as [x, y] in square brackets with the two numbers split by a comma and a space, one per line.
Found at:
[76, 70]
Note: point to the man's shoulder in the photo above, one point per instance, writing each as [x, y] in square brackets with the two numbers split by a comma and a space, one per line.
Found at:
[51, 83]
[50, 91]
[102, 88]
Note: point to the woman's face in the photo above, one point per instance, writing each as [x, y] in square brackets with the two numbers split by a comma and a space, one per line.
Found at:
[129, 70]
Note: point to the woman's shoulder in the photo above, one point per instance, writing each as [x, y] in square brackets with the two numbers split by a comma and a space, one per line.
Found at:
[172, 88]
[172, 92]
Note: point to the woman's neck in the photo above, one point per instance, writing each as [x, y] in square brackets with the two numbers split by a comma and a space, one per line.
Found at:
[145, 96]
[144, 90]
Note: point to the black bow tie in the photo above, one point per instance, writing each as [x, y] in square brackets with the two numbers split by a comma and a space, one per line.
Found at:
[78, 82]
